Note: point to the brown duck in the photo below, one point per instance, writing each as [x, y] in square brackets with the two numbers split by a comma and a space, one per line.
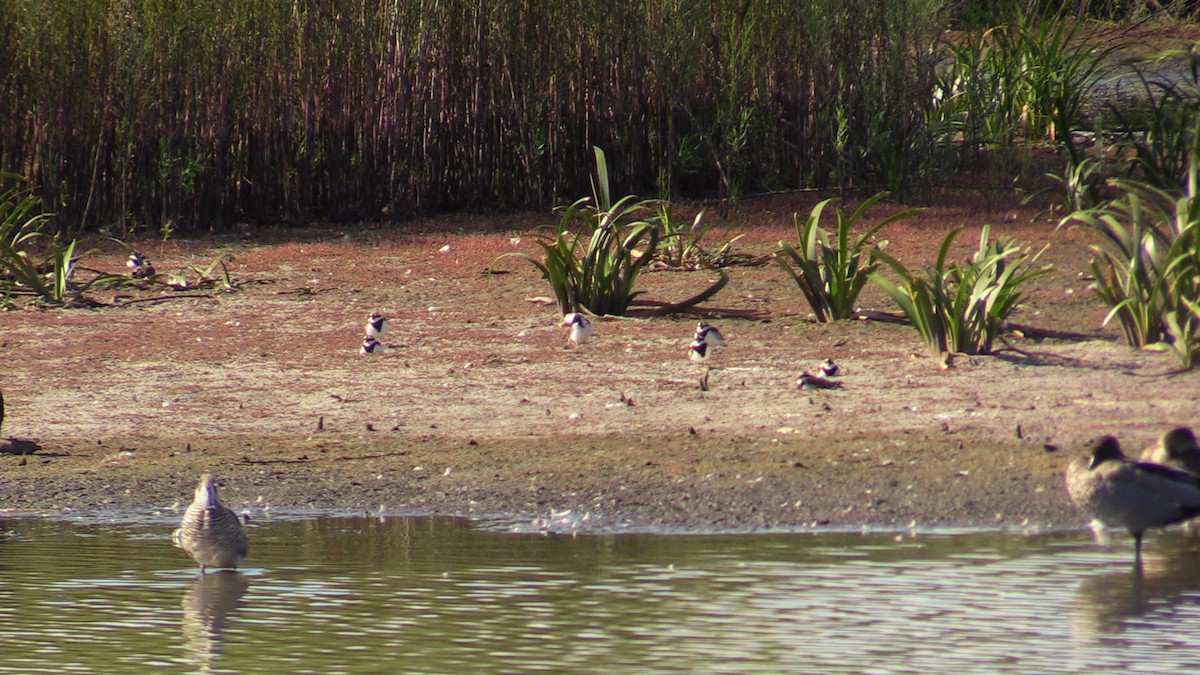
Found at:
[1177, 449]
[1137, 496]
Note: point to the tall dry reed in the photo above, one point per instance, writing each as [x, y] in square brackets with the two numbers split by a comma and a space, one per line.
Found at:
[175, 116]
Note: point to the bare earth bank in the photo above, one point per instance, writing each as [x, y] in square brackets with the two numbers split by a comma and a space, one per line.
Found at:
[480, 407]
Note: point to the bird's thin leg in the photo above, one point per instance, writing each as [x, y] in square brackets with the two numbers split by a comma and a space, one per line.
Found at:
[1137, 548]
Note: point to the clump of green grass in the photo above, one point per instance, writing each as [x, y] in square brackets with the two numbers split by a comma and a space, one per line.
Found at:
[832, 272]
[593, 256]
[50, 280]
[19, 219]
[1161, 132]
[683, 242]
[960, 308]
[1147, 266]
[1024, 80]
[205, 278]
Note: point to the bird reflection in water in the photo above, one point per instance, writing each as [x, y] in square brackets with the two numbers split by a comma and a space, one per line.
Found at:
[207, 605]
[1153, 593]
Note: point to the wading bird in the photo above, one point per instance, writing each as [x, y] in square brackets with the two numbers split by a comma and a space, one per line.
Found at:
[1137, 496]
[1177, 449]
[210, 532]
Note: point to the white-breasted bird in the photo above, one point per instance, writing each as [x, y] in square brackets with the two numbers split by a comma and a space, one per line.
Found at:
[371, 346]
[139, 266]
[708, 334]
[1120, 492]
[809, 381]
[210, 532]
[1177, 449]
[377, 325]
[699, 351]
[581, 327]
[828, 368]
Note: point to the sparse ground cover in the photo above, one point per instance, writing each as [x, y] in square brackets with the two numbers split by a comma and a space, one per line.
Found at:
[480, 407]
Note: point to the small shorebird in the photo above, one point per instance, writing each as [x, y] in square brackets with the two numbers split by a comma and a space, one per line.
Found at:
[581, 327]
[809, 381]
[1137, 496]
[709, 335]
[210, 532]
[139, 266]
[377, 325]
[828, 368]
[1177, 449]
[371, 346]
[698, 352]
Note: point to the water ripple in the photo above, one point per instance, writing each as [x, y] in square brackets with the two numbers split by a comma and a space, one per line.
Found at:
[358, 595]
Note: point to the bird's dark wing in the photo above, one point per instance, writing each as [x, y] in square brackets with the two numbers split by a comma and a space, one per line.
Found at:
[1167, 472]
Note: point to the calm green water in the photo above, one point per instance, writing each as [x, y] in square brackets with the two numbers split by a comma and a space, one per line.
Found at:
[420, 595]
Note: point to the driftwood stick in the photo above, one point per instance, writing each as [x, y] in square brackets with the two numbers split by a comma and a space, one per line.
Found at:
[664, 308]
[160, 298]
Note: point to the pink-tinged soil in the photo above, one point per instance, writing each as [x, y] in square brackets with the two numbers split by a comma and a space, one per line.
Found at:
[480, 406]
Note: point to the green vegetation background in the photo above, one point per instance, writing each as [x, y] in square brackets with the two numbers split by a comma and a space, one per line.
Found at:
[190, 115]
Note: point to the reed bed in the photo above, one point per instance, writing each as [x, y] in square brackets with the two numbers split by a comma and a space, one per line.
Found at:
[167, 116]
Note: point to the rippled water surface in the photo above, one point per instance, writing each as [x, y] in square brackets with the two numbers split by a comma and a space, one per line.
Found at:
[359, 595]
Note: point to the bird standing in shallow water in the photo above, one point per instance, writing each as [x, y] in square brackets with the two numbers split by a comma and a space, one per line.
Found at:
[1177, 449]
[210, 532]
[377, 325]
[581, 327]
[1137, 496]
